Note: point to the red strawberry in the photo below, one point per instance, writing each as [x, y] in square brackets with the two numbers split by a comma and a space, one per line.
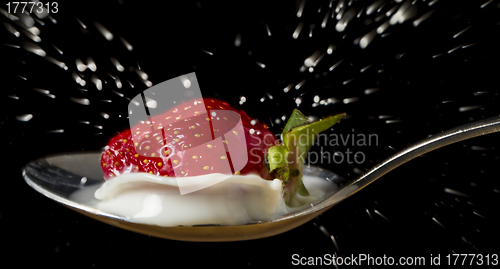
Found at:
[206, 136]
[163, 143]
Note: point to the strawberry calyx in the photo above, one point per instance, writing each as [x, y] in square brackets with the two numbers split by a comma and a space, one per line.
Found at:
[285, 160]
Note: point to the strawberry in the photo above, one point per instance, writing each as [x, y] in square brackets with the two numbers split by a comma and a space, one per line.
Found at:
[157, 145]
[208, 136]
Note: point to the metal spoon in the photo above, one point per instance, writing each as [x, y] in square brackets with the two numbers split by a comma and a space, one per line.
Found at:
[57, 177]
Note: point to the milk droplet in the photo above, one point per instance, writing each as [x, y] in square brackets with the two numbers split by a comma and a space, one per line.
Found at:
[127, 45]
[117, 64]
[105, 32]
[82, 101]
[25, 117]
[298, 100]
[31, 47]
[151, 103]
[185, 82]
[237, 41]
[142, 74]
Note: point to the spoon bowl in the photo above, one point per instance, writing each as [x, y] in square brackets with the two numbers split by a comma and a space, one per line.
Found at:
[60, 176]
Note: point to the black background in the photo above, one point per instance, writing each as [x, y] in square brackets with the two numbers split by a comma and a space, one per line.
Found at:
[414, 68]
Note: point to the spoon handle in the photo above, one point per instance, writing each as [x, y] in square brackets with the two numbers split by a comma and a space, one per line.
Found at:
[457, 134]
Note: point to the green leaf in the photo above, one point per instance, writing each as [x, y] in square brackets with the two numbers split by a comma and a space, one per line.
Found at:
[296, 119]
[278, 162]
[299, 140]
[285, 161]
[303, 136]
[278, 156]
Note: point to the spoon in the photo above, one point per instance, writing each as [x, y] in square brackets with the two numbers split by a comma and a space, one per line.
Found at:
[57, 177]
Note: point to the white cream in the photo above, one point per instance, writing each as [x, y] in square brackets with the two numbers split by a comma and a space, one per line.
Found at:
[150, 199]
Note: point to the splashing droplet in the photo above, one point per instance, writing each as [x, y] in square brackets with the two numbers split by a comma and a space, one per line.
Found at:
[81, 101]
[487, 3]
[105, 115]
[309, 61]
[208, 52]
[325, 19]
[143, 74]
[31, 47]
[297, 31]
[91, 64]
[151, 103]
[468, 108]
[298, 101]
[330, 49]
[300, 84]
[97, 82]
[11, 29]
[25, 117]
[366, 39]
[127, 45]
[422, 18]
[81, 24]
[117, 64]
[268, 30]
[461, 32]
[301, 8]
[455, 192]
[104, 32]
[185, 82]
[237, 40]
[350, 100]
[335, 65]
[80, 65]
